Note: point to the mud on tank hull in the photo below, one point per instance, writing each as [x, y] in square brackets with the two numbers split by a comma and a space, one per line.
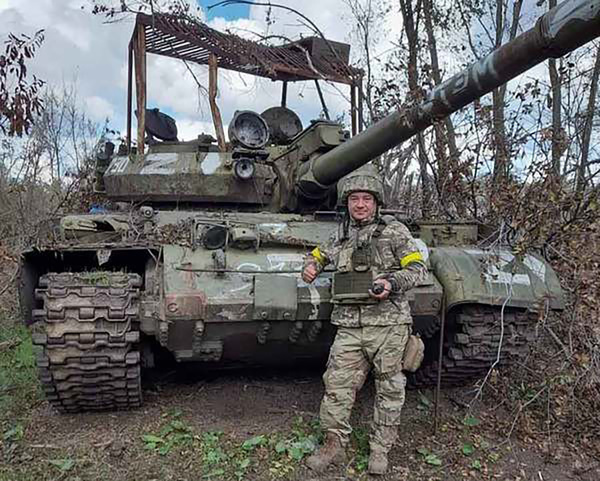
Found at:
[224, 290]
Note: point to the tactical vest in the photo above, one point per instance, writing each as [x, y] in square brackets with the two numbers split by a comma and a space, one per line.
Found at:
[353, 287]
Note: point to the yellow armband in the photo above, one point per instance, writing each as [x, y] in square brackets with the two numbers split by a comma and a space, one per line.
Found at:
[410, 258]
[317, 254]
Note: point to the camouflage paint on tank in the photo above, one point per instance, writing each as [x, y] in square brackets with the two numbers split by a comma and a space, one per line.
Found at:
[496, 277]
[189, 174]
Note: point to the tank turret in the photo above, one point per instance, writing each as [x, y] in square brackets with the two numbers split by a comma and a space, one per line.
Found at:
[204, 260]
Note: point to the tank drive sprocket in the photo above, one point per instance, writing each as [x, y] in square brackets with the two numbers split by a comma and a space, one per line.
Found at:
[89, 337]
[472, 338]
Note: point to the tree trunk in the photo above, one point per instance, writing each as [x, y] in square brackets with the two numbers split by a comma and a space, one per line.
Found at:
[557, 131]
[444, 131]
[502, 158]
[587, 129]
[410, 17]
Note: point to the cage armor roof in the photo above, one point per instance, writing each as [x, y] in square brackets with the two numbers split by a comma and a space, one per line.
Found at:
[365, 179]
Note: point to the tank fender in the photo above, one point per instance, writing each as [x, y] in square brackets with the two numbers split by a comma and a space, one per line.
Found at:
[497, 278]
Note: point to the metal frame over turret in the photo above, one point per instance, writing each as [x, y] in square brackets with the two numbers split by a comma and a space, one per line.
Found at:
[312, 58]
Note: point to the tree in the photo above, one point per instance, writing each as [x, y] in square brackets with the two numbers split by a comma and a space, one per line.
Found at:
[19, 96]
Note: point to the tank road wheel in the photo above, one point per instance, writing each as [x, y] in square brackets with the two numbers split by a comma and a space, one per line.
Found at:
[471, 344]
[90, 336]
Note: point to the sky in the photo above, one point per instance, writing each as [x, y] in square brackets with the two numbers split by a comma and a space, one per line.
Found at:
[81, 49]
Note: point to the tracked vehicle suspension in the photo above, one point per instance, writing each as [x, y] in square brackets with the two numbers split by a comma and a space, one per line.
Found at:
[474, 334]
[89, 338]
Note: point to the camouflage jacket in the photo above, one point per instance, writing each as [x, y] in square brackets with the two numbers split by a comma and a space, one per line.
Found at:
[395, 256]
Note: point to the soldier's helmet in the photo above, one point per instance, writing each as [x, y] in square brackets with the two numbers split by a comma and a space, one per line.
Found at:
[365, 179]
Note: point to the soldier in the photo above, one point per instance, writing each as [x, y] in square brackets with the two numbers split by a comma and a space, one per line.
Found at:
[376, 262]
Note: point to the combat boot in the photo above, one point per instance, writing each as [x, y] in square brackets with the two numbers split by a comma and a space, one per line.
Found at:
[378, 462]
[331, 452]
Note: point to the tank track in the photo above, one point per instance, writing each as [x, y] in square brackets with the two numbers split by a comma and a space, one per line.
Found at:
[471, 344]
[90, 335]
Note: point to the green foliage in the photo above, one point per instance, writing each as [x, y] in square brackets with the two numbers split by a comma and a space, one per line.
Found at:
[471, 421]
[241, 465]
[467, 449]
[303, 440]
[13, 434]
[361, 439]
[19, 386]
[213, 453]
[252, 443]
[424, 402]
[63, 465]
[175, 433]
[429, 457]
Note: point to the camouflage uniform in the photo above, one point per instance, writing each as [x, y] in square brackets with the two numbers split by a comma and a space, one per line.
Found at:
[371, 334]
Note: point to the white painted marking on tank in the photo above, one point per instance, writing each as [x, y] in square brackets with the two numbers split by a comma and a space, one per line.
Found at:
[285, 257]
[315, 300]
[117, 165]
[159, 164]
[230, 315]
[274, 229]
[494, 269]
[210, 163]
[288, 262]
[537, 266]
[496, 276]
[249, 266]
[238, 289]
[568, 11]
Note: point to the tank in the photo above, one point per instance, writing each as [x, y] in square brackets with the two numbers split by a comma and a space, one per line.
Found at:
[200, 249]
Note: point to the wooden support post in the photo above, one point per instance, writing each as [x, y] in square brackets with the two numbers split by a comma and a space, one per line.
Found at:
[212, 98]
[129, 93]
[140, 86]
[353, 108]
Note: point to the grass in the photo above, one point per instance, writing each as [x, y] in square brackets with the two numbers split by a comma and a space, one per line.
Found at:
[219, 456]
[19, 386]
[19, 391]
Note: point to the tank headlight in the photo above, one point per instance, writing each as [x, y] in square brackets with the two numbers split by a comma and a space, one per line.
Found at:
[244, 169]
[249, 130]
[214, 237]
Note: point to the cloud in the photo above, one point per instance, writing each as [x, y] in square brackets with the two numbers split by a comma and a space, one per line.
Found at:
[80, 48]
[99, 109]
[189, 129]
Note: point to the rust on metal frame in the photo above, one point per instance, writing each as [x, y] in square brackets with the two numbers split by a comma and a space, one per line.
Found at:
[186, 39]
[190, 40]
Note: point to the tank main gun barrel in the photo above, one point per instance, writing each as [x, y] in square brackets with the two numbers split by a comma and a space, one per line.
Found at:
[562, 29]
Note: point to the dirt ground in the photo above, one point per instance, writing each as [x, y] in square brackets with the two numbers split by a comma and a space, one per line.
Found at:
[236, 426]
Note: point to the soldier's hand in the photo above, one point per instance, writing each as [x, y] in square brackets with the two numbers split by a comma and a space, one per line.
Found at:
[383, 288]
[310, 272]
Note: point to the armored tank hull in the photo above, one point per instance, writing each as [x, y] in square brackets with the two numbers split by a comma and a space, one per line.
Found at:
[223, 290]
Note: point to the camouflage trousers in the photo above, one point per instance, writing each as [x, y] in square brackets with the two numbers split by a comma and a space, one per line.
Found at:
[353, 353]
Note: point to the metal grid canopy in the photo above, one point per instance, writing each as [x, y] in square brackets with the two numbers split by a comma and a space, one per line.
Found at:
[173, 36]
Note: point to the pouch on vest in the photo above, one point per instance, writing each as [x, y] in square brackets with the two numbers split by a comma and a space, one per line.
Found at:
[414, 352]
[352, 286]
